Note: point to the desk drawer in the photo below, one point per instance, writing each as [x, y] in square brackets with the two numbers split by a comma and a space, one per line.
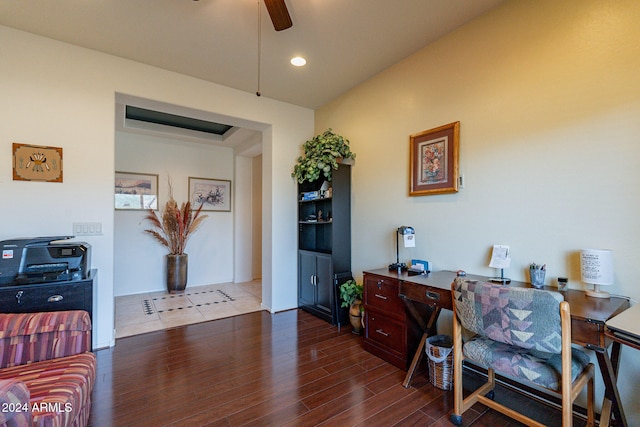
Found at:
[425, 294]
[382, 293]
[588, 334]
[387, 332]
[30, 299]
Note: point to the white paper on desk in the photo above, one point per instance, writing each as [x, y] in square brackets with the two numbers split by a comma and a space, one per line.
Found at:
[409, 240]
[500, 257]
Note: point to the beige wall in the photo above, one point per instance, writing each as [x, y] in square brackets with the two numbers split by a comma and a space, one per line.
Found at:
[548, 97]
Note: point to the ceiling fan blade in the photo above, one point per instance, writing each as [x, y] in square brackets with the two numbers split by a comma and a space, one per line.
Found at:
[279, 14]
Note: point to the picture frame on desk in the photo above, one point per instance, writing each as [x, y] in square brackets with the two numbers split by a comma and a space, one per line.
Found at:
[433, 160]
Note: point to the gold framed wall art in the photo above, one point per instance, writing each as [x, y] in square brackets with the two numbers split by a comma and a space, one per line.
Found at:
[433, 160]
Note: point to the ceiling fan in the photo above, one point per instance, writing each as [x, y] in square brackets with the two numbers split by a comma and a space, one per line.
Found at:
[281, 21]
[279, 14]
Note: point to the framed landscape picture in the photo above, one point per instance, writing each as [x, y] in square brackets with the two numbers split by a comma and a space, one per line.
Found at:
[136, 191]
[212, 194]
[433, 161]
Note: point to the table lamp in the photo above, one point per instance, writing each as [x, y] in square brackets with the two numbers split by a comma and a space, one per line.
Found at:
[409, 241]
[596, 268]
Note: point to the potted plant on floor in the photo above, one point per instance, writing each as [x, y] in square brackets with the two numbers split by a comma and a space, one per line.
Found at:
[351, 295]
[321, 156]
[172, 230]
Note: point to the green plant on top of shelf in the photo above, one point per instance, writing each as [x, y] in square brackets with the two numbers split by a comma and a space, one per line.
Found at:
[321, 156]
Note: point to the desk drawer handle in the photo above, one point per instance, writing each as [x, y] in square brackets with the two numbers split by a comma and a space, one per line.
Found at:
[432, 295]
[381, 296]
[55, 298]
[381, 332]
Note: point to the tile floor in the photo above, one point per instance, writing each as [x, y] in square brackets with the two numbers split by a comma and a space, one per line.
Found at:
[140, 313]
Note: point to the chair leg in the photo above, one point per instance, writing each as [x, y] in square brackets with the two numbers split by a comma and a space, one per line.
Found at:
[455, 419]
[460, 404]
[591, 418]
[456, 416]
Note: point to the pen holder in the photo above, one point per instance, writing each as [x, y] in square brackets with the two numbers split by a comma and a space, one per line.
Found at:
[537, 277]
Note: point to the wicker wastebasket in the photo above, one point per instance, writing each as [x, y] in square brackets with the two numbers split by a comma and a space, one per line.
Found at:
[439, 349]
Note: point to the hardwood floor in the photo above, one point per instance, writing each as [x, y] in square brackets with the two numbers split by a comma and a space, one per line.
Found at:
[261, 369]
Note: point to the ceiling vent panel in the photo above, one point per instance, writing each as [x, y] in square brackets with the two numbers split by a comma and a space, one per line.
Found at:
[173, 120]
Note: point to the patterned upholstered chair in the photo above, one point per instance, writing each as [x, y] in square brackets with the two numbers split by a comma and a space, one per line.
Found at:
[523, 334]
[47, 370]
[13, 395]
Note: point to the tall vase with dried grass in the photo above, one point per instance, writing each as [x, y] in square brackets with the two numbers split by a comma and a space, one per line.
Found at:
[172, 230]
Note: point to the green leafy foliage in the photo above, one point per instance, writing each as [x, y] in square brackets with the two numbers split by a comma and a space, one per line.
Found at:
[349, 292]
[321, 156]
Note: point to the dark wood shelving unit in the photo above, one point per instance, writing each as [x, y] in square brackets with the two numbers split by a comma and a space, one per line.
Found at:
[324, 245]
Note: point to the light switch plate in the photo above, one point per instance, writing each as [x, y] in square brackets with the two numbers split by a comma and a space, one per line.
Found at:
[87, 229]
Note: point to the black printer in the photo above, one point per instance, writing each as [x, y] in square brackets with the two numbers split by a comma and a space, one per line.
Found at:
[43, 259]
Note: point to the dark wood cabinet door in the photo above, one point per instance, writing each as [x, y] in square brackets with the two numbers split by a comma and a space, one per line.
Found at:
[324, 282]
[306, 273]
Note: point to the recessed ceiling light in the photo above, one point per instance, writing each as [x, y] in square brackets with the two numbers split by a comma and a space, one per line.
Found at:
[298, 61]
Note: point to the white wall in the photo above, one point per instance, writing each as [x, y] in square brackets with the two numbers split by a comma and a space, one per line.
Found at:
[60, 95]
[548, 97]
[243, 210]
[139, 259]
[256, 218]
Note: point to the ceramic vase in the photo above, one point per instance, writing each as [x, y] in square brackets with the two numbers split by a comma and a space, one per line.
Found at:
[355, 317]
[177, 273]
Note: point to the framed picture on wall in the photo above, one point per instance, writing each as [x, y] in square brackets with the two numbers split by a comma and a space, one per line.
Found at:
[37, 163]
[212, 194]
[433, 161]
[136, 191]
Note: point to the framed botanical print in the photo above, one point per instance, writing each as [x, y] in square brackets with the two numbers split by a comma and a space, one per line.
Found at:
[433, 161]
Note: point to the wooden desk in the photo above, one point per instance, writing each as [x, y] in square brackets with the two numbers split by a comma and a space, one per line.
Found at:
[588, 317]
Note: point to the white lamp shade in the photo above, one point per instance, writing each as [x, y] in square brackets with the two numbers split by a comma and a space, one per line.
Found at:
[596, 266]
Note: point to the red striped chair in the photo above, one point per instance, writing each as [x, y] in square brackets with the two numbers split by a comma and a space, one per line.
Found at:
[49, 353]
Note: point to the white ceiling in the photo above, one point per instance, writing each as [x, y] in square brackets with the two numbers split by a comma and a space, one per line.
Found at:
[345, 41]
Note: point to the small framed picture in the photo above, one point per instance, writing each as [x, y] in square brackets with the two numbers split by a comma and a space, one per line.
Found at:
[136, 191]
[37, 163]
[433, 161]
[212, 194]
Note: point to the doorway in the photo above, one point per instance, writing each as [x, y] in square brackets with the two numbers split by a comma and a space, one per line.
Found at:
[234, 255]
